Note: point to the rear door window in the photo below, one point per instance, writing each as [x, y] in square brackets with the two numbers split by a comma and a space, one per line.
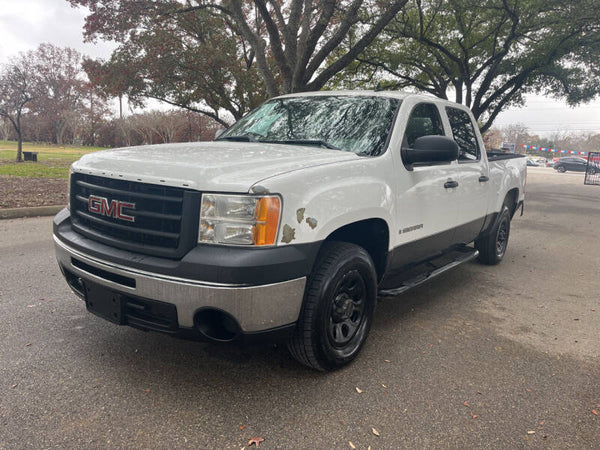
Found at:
[464, 134]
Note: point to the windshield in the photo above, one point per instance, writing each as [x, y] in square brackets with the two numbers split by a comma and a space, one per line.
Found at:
[357, 124]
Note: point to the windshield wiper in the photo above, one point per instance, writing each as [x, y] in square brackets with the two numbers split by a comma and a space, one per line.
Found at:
[318, 142]
[237, 138]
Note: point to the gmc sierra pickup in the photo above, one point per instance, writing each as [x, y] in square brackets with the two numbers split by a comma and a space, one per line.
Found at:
[291, 223]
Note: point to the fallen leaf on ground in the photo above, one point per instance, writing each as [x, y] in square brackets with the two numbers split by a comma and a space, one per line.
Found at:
[465, 403]
[474, 416]
[242, 427]
[594, 412]
[375, 432]
[383, 385]
[28, 344]
[351, 444]
[14, 386]
[543, 422]
[531, 432]
[147, 391]
[387, 360]
[256, 441]
[359, 390]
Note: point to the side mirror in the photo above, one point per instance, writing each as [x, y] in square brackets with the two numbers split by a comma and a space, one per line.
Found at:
[219, 132]
[430, 150]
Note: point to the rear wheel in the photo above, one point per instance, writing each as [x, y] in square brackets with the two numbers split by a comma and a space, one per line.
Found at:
[492, 247]
[338, 308]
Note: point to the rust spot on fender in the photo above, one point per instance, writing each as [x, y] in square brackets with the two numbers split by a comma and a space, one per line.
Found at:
[300, 214]
[258, 189]
[289, 234]
[311, 222]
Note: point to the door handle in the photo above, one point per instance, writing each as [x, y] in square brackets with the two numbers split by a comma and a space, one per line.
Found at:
[450, 184]
[483, 179]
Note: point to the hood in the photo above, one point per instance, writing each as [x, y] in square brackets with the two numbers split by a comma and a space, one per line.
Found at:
[207, 166]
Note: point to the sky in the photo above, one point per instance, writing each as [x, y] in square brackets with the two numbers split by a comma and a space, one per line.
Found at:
[24, 24]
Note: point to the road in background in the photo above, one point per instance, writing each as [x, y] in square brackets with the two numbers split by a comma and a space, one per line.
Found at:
[499, 357]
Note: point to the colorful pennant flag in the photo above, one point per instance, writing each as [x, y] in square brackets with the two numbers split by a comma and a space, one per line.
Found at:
[552, 150]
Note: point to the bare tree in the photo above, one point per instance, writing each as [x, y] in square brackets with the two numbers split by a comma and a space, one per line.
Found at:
[17, 91]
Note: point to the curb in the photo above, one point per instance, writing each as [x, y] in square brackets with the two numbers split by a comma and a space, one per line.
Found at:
[37, 211]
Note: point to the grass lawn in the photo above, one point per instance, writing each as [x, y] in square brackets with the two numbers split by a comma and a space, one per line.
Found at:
[53, 161]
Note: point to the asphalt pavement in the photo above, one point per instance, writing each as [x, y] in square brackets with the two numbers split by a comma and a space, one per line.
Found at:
[481, 357]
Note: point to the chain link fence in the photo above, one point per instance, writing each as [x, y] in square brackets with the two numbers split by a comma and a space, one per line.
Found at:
[592, 173]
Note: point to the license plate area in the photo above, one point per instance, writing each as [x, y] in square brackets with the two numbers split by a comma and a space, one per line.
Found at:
[104, 303]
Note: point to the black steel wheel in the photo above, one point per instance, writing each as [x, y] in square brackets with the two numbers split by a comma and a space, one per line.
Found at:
[347, 311]
[338, 307]
[502, 237]
[492, 246]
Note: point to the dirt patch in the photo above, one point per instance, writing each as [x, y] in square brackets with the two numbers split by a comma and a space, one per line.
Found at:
[19, 192]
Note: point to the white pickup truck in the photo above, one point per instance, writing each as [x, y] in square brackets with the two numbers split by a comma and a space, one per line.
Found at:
[291, 223]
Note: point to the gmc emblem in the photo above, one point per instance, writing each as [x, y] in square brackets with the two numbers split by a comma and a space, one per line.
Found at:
[101, 205]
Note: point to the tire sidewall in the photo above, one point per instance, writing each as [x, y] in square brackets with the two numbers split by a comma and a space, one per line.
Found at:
[504, 218]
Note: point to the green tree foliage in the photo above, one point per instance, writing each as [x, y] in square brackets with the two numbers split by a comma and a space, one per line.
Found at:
[191, 58]
[487, 53]
[309, 41]
[229, 54]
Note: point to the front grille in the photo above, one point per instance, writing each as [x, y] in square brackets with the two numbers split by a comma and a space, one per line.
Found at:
[162, 222]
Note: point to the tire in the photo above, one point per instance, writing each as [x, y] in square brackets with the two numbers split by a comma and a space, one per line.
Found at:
[338, 308]
[561, 169]
[492, 247]
[592, 171]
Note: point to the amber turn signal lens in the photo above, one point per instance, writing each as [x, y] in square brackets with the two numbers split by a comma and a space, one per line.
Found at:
[267, 220]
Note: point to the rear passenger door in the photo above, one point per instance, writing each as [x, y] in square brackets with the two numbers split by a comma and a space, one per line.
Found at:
[473, 175]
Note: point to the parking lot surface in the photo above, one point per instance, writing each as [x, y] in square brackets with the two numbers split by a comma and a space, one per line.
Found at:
[492, 357]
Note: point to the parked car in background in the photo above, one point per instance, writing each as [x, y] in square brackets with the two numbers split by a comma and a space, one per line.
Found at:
[532, 163]
[575, 164]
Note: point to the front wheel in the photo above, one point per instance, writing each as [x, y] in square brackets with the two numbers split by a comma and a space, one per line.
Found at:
[492, 247]
[338, 307]
[561, 169]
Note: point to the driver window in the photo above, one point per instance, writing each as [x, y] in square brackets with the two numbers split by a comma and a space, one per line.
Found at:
[424, 120]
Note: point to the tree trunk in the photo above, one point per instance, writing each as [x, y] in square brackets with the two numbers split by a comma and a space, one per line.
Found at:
[19, 146]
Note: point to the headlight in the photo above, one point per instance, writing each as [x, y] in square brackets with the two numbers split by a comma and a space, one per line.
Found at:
[239, 219]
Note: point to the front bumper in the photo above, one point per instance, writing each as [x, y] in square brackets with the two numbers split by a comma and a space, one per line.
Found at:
[255, 308]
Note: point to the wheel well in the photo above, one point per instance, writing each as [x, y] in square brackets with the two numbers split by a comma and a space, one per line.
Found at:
[511, 199]
[373, 235]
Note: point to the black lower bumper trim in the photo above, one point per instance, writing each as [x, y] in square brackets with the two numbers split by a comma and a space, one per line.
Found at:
[209, 263]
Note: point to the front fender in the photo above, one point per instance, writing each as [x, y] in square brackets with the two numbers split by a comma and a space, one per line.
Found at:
[320, 200]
